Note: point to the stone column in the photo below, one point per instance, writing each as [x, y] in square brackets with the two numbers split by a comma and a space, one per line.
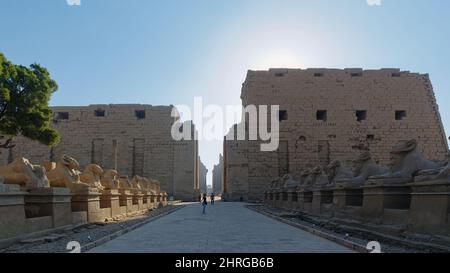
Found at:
[430, 207]
[12, 213]
[55, 202]
[110, 199]
[88, 201]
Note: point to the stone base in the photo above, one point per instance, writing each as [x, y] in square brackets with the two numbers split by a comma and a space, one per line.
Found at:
[388, 181]
[12, 211]
[306, 197]
[347, 202]
[125, 201]
[430, 207]
[110, 199]
[89, 202]
[54, 202]
[322, 202]
[386, 203]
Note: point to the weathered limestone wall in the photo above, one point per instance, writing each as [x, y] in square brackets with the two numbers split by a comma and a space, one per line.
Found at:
[392, 105]
[203, 173]
[134, 139]
[217, 177]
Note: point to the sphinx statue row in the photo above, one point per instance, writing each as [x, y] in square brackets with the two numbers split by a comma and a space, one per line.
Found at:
[66, 173]
[412, 194]
[407, 164]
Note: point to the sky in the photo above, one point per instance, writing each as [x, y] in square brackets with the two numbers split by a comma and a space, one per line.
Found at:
[168, 52]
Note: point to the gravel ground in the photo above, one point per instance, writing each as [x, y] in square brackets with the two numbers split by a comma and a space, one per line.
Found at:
[57, 242]
[388, 244]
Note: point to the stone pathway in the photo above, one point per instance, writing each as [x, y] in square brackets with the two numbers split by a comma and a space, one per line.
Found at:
[227, 227]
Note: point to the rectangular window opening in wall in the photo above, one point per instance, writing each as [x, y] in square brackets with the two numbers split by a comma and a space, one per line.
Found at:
[282, 115]
[321, 115]
[318, 74]
[62, 115]
[356, 74]
[99, 113]
[395, 75]
[140, 114]
[361, 115]
[400, 114]
[279, 74]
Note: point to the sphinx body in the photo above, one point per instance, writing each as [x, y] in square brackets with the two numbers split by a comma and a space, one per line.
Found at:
[124, 183]
[289, 182]
[303, 177]
[67, 175]
[363, 168]
[145, 184]
[109, 180]
[407, 161]
[91, 175]
[336, 171]
[136, 182]
[313, 178]
[21, 172]
[155, 185]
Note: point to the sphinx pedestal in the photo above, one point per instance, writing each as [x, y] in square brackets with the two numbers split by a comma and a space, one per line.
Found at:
[285, 203]
[271, 200]
[348, 202]
[430, 207]
[89, 202]
[277, 199]
[12, 213]
[386, 203]
[306, 198]
[54, 202]
[146, 200]
[297, 201]
[125, 201]
[137, 200]
[292, 200]
[153, 203]
[110, 199]
[322, 203]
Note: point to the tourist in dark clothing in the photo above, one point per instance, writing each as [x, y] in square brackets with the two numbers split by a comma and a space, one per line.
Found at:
[204, 203]
[212, 198]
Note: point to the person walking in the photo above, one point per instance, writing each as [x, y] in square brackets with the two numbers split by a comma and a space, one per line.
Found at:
[204, 203]
[212, 198]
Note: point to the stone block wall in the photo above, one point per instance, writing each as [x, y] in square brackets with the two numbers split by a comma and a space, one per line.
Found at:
[328, 114]
[132, 138]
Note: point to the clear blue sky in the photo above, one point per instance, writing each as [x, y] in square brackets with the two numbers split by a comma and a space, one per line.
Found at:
[167, 52]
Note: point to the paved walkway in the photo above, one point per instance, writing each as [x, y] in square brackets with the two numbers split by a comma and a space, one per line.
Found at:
[227, 227]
